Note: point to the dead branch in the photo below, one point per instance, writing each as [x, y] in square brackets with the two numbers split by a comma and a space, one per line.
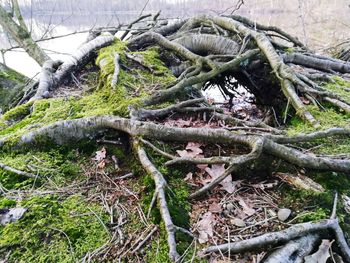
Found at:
[18, 172]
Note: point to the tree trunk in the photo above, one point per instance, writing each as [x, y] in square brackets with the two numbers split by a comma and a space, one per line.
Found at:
[20, 34]
[11, 84]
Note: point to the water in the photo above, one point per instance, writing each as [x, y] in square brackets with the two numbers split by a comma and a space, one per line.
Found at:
[319, 23]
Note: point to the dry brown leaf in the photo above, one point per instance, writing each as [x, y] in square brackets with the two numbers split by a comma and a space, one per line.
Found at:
[202, 167]
[247, 209]
[192, 150]
[100, 155]
[185, 153]
[194, 147]
[322, 254]
[215, 208]
[217, 170]
[178, 123]
[205, 227]
[101, 164]
[189, 177]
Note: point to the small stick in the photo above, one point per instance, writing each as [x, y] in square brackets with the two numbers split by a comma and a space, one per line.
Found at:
[145, 239]
[125, 176]
[18, 172]
[334, 209]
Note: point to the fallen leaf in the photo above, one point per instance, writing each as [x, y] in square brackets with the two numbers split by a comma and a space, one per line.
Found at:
[247, 209]
[217, 170]
[189, 177]
[192, 151]
[179, 123]
[11, 215]
[205, 227]
[322, 254]
[100, 155]
[202, 167]
[194, 147]
[185, 153]
[101, 164]
[237, 222]
[215, 208]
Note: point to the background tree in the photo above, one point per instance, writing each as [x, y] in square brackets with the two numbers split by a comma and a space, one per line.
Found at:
[13, 23]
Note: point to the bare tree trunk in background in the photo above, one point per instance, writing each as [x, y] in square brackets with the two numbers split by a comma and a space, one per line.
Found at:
[11, 85]
[19, 32]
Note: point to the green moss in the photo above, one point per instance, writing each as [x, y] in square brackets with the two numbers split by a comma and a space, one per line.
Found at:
[337, 86]
[7, 203]
[289, 50]
[317, 206]
[333, 181]
[328, 118]
[18, 113]
[311, 206]
[54, 230]
[152, 60]
[52, 164]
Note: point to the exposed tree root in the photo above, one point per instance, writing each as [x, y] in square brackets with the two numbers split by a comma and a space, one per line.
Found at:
[163, 206]
[65, 131]
[207, 49]
[55, 73]
[300, 240]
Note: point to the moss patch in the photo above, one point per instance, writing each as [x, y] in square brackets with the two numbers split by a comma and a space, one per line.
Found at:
[339, 87]
[54, 230]
[60, 167]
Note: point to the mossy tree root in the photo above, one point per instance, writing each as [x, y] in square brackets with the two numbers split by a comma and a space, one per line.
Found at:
[232, 38]
[63, 132]
[160, 185]
[55, 73]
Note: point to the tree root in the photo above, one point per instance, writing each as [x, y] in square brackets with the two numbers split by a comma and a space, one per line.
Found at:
[64, 131]
[55, 73]
[275, 238]
[300, 240]
[295, 250]
[190, 46]
[163, 206]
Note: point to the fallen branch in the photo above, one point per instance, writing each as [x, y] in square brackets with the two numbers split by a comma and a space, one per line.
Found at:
[18, 172]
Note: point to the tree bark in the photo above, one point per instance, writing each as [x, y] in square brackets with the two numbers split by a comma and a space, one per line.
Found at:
[21, 35]
[11, 84]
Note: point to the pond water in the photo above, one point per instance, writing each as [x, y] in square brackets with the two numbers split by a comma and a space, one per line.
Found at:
[318, 23]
